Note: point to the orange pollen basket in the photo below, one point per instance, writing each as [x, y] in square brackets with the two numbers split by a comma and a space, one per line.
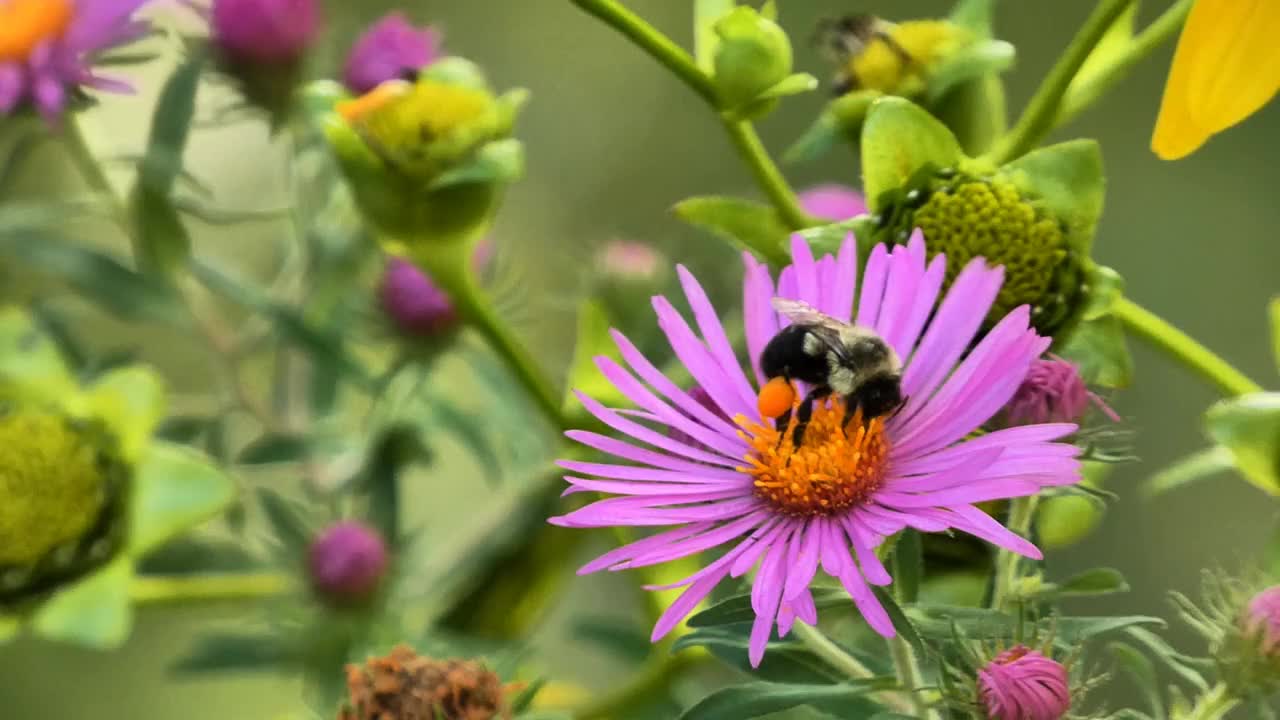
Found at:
[833, 469]
[24, 24]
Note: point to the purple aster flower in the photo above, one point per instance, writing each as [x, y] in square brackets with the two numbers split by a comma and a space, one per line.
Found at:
[265, 31]
[47, 49]
[388, 49]
[1263, 617]
[347, 562]
[830, 502]
[833, 202]
[1053, 391]
[1022, 684]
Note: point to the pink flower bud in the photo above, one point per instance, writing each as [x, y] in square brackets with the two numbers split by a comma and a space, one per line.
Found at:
[1053, 391]
[413, 302]
[265, 31]
[387, 50]
[1264, 617]
[833, 202]
[629, 260]
[347, 563]
[1022, 684]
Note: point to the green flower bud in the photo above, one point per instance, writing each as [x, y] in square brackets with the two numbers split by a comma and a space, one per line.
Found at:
[965, 217]
[752, 56]
[64, 491]
[426, 159]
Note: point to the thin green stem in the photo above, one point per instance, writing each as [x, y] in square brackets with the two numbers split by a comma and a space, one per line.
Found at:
[1041, 112]
[657, 674]
[652, 41]
[207, 588]
[771, 181]
[822, 646]
[1213, 705]
[449, 265]
[1181, 347]
[1086, 90]
[1008, 564]
[90, 169]
[904, 662]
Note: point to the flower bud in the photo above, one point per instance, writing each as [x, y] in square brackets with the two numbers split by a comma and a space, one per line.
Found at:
[425, 159]
[414, 303]
[1263, 619]
[406, 685]
[833, 202]
[752, 56]
[628, 260]
[64, 491]
[1053, 392]
[1023, 684]
[262, 44]
[347, 563]
[391, 48]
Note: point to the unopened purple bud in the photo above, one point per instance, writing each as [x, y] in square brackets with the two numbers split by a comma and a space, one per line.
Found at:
[265, 31]
[1023, 684]
[415, 304]
[1264, 618]
[347, 563]
[833, 202]
[390, 48]
[1053, 391]
[629, 260]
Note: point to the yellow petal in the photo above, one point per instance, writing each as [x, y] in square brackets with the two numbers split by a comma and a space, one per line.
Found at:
[1226, 67]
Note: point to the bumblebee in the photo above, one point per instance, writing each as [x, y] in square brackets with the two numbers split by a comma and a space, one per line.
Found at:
[843, 39]
[833, 358]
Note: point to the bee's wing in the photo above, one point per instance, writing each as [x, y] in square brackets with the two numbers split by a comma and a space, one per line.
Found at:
[798, 311]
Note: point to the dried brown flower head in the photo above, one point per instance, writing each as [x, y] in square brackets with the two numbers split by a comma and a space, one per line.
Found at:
[406, 686]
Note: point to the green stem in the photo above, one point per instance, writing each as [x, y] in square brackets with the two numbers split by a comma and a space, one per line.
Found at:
[205, 588]
[1084, 93]
[770, 180]
[1021, 511]
[652, 41]
[449, 265]
[91, 171]
[662, 668]
[835, 656]
[1041, 112]
[904, 662]
[1213, 705]
[1181, 347]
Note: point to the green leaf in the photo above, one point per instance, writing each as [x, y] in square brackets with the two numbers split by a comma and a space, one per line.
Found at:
[737, 609]
[198, 555]
[524, 699]
[908, 565]
[593, 340]
[786, 661]
[827, 239]
[1196, 466]
[980, 58]
[616, 636]
[1143, 672]
[1274, 311]
[184, 429]
[30, 365]
[501, 161]
[1090, 583]
[903, 624]
[1106, 286]
[1101, 350]
[976, 16]
[900, 138]
[131, 401]
[975, 111]
[380, 479]
[10, 626]
[1067, 180]
[175, 489]
[160, 240]
[287, 521]
[705, 39]
[1249, 426]
[1074, 630]
[237, 652]
[95, 275]
[841, 119]
[1191, 669]
[469, 428]
[94, 611]
[845, 700]
[274, 448]
[790, 85]
[746, 224]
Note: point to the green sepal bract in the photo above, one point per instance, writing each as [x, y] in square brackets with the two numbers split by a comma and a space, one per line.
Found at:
[1249, 426]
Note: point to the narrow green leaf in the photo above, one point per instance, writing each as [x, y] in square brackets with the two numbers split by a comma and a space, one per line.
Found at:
[791, 85]
[980, 58]
[1073, 630]
[742, 222]
[30, 365]
[184, 429]
[737, 609]
[131, 401]
[1090, 583]
[175, 489]
[274, 448]
[380, 479]
[94, 611]
[785, 661]
[900, 138]
[845, 700]
[1196, 466]
[1143, 672]
[1191, 669]
[977, 16]
[1249, 427]
[470, 429]
[616, 636]
[524, 699]
[903, 624]
[286, 518]
[198, 555]
[908, 565]
[237, 652]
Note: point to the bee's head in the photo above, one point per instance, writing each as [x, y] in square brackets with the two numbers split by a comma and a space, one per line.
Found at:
[879, 395]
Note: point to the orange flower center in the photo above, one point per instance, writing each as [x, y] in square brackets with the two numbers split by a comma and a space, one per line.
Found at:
[24, 24]
[834, 468]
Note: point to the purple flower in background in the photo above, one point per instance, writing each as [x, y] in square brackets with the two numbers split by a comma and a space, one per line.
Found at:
[388, 49]
[347, 562]
[1053, 391]
[415, 304]
[1263, 617]
[1022, 684]
[626, 259]
[829, 503]
[833, 202]
[265, 31]
[47, 49]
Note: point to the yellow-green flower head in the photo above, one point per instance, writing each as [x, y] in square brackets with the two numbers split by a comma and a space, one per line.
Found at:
[967, 217]
[892, 58]
[63, 487]
[426, 158]
[85, 490]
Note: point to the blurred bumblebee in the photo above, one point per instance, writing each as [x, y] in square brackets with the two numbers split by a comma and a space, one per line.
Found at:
[873, 54]
[833, 358]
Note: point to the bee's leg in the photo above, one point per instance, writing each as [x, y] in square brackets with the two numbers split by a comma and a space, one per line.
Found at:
[805, 412]
[781, 424]
[850, 405]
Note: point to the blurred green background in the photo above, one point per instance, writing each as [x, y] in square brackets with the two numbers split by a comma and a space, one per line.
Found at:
[613, 142]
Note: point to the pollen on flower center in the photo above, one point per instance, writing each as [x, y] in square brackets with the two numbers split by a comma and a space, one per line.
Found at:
[24, 24]
[834, 468]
